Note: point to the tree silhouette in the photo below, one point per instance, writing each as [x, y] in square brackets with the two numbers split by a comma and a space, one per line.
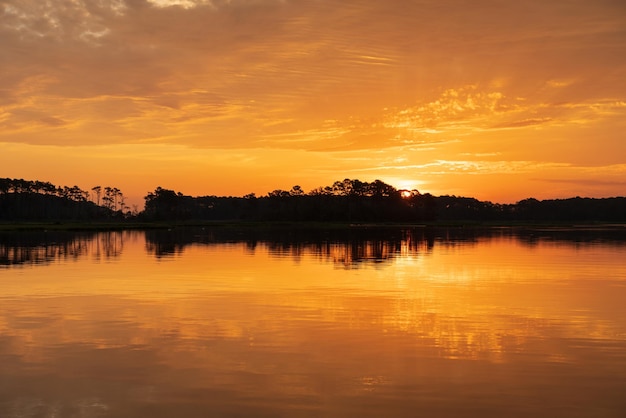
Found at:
[296, 191]
[97, 190]
[348, 200]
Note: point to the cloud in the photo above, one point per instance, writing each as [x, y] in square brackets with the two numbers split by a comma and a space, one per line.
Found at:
[429, 81]
[523, 123]
[454, 108]
[585, 182]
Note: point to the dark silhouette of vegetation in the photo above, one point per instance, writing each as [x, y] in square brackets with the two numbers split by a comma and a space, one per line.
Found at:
[346, 201]
[357, 201]
[28, 201]
[577, 209]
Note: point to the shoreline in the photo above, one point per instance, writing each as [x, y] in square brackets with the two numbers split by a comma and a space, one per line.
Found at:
[120, 226]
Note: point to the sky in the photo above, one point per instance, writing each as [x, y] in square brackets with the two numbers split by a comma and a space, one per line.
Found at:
[494, 99]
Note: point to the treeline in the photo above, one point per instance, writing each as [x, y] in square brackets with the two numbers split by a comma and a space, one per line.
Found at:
[347, 200]
[576, 209]
[344, 201]
[357, 201]
[26, 200]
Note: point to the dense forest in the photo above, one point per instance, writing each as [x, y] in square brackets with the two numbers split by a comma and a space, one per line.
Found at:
[352, 201]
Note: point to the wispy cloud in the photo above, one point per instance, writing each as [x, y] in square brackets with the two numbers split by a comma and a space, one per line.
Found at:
[523, 123]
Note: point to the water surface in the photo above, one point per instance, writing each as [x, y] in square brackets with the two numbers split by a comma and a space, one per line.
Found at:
[292, 323]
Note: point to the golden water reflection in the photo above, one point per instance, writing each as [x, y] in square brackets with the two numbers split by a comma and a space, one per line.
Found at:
[192, 323]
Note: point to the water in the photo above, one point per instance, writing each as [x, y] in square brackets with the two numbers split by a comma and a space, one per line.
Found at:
[291, 323]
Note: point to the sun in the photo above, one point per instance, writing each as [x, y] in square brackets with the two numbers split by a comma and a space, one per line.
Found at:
[405, 184]
[405, 193]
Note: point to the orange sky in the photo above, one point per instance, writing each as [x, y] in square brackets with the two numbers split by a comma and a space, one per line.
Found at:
[499, 100]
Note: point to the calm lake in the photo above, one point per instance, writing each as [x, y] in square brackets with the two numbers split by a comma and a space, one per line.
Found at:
[368, 322]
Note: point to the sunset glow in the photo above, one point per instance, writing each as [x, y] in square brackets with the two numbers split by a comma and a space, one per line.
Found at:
[495, 100]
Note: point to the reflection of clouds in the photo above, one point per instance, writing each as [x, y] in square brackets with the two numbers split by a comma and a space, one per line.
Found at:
[219, 327]
[38, 407]
[212, 328]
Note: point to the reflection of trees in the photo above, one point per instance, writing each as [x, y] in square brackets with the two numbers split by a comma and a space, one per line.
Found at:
[589, 235]
[108, 244]
[344, 246]
[45, 247]
[350, 246]
[348, 254]
[163, 243]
